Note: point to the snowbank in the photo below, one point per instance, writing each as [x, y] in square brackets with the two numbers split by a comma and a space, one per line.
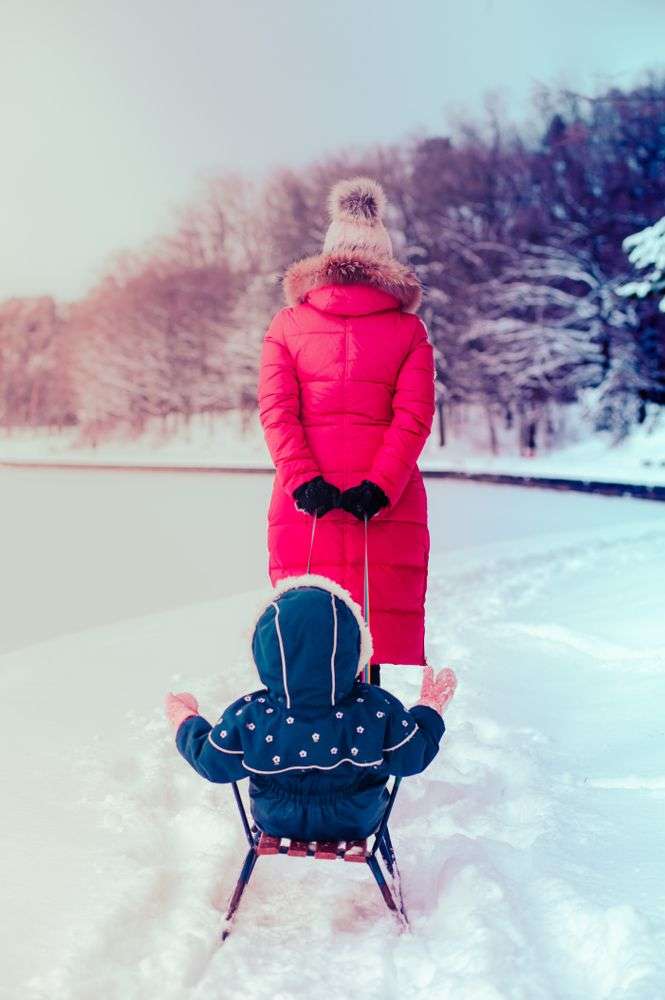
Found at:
[229, 442]
[639, 459]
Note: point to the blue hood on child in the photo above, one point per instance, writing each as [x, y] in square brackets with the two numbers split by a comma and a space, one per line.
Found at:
[309, 642]
[317, 742]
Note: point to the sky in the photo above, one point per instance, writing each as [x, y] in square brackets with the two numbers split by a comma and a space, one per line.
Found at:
[114, 114]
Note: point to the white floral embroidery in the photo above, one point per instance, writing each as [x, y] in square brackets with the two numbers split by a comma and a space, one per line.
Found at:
[333, 750]
[360, 699]
[239, 712]
[276, 759]
[380, 715]
[290, 720]
[316, 737]
[248, 697]
[360, 729]
[268, 739]
[339, 715]
[354, 751]
[223, 733]
[405, 722]
[303, 753]
[261, 700]
[250, 725]
[269, 711]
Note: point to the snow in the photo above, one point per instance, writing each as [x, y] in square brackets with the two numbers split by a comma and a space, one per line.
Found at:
[229, 441]
[647, 249]
[531, 850]
[81, 549]
[225, 440]
[639, 459]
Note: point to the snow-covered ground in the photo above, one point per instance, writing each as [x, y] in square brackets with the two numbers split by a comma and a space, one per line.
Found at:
[227, 441]
[640, 459]
[531, 850]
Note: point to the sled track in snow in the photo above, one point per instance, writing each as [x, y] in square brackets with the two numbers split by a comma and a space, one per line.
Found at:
[640, 491]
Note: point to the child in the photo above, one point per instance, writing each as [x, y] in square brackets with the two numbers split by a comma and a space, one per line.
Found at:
[317, 744]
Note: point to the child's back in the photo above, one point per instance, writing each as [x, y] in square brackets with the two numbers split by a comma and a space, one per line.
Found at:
[317, 744]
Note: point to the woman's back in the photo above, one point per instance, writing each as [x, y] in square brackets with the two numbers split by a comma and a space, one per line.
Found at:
[346, 392]
[348, 344]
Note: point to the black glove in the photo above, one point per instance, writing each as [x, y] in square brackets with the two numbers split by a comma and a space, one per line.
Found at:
[317, 496]
[367, 499]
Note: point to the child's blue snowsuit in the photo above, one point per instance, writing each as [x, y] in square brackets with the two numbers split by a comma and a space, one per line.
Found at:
[318, 745]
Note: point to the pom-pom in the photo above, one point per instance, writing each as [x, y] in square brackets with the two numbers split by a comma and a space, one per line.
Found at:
[360, 199]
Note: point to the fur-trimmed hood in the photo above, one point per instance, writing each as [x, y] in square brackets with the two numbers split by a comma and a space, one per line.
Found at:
[357, 267]
[314, 713]
[309, 641]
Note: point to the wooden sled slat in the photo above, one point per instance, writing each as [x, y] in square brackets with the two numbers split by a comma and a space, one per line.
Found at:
[322, 850]
[356, 850]
[298, 849]
[268, 845]
[326, 850]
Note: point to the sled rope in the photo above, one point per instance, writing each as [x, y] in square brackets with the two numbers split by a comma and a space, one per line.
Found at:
[366, 599]
[311, 544]
[365, 670]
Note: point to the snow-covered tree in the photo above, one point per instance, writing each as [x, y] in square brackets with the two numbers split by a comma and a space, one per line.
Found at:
[242, 350]
[516, 235]
[35, 387]
[540, 334]
[646, 249]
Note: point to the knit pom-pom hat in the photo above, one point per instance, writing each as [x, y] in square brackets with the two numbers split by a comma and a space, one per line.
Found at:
[356, 208]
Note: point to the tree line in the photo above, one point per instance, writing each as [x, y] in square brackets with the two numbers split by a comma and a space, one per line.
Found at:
[517, 234]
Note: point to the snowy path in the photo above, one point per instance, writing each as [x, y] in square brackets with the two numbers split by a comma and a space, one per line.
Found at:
[542, 873]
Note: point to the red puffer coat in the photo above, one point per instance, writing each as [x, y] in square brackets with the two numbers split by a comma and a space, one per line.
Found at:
[346, 391]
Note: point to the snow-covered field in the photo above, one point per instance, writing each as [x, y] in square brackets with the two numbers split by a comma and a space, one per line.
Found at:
[227, 441]
[531, 850]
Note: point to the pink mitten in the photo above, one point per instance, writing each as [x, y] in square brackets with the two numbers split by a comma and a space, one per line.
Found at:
[437, 691]
[180, 707]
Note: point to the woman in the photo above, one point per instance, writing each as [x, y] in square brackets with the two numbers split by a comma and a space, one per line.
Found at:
[346, 401]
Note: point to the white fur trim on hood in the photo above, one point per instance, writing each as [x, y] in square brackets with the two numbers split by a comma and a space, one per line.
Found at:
[357, 267]
[332, 587]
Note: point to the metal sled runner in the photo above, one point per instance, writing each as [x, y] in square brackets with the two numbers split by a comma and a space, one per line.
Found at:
[261, 845]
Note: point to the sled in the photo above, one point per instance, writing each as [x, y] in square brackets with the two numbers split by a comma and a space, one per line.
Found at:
[353, 851]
